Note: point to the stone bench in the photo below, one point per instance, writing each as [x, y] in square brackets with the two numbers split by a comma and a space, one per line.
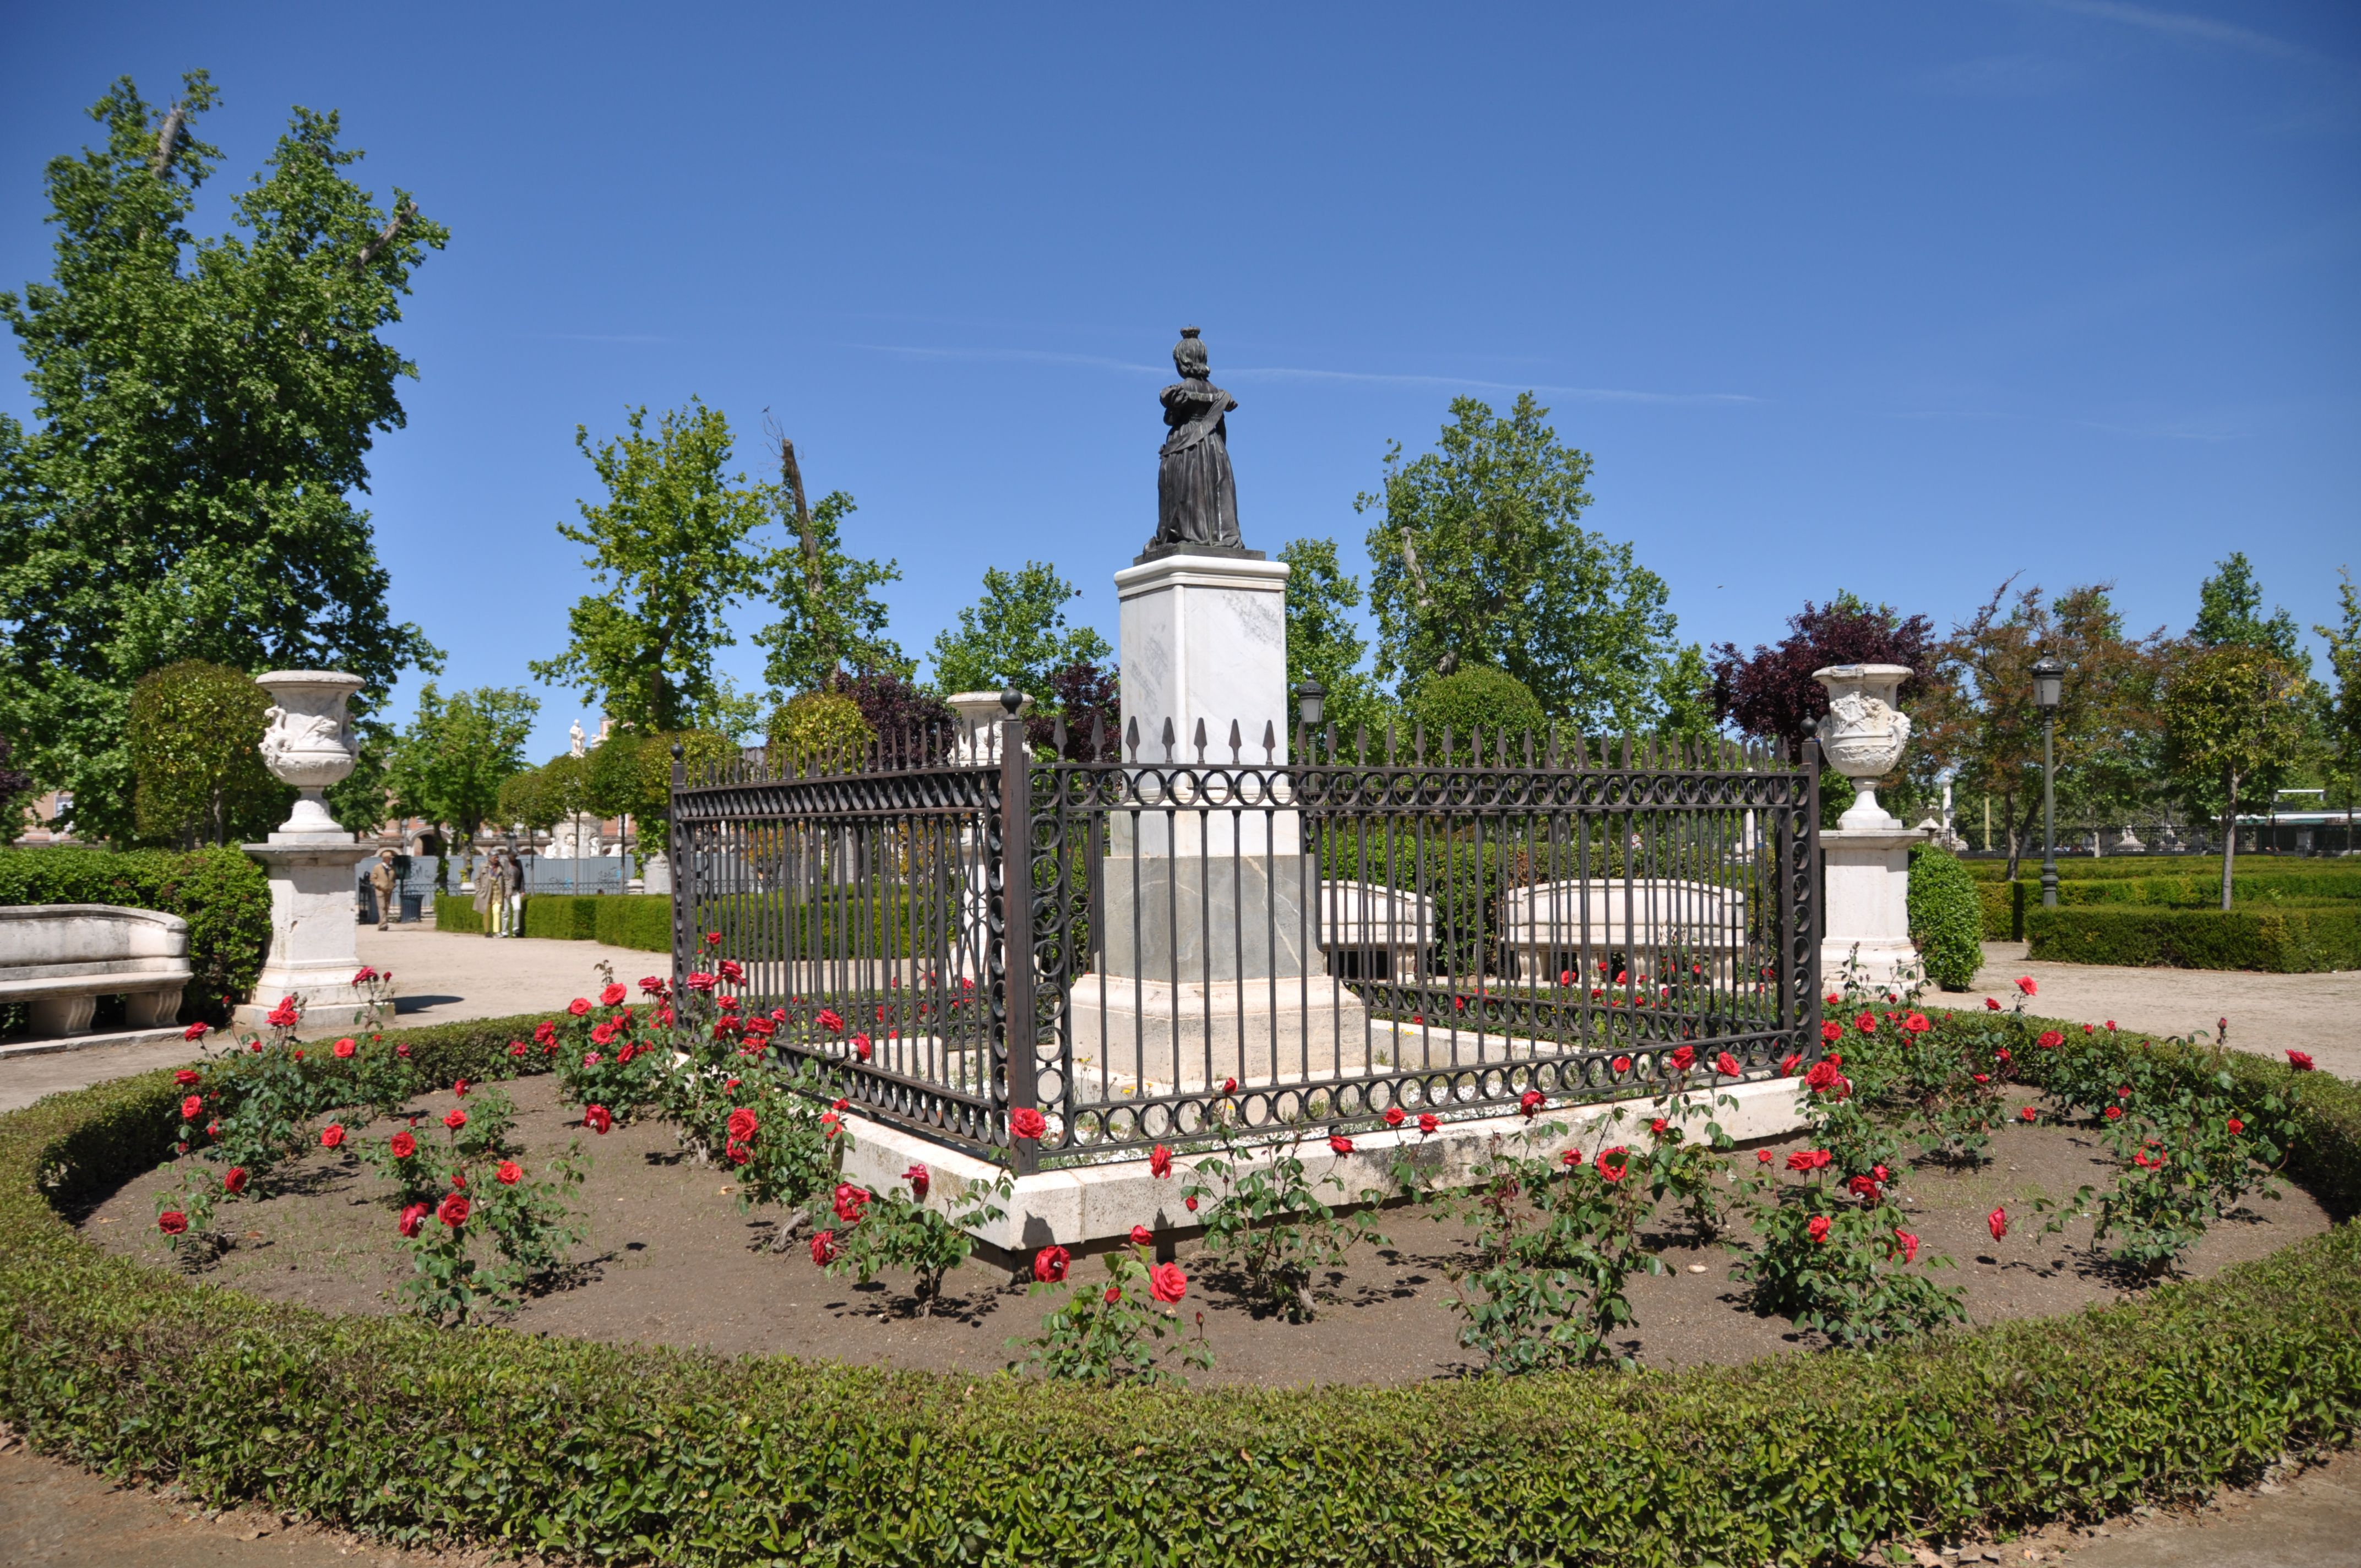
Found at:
[60, 959]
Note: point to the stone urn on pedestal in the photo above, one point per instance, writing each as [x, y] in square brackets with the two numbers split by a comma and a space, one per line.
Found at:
[1867, 855]
[310, 859]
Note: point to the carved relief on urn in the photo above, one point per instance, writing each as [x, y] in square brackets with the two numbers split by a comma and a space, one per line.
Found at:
[1864, 734]
[309, 741]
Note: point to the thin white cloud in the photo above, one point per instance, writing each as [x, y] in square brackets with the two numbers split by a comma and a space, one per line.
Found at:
[606, 338]
[1296, 373]
[2179, 24]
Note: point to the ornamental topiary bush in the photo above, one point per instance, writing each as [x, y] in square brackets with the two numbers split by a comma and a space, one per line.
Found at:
[1473, 699]
[224, 896]
[2275, 939]
[1947, 919]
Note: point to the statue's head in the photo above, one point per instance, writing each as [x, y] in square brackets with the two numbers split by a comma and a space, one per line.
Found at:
[1189, 354]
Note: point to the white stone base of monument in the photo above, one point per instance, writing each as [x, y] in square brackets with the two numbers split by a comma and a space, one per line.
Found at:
[1153, 1037]
[655, 874]
[313, 956]
[1080, 1206]
[1868, 892]
[1204, 639]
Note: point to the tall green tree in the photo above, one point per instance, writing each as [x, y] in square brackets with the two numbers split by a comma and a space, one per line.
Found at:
[452, 758]
[1015, 635]
[670, 547]
[1323, 643]
[195, 737]
[203, 411]
[829, 614]
[2233, 717]
[2341, 717]
[2230, 614]
[1481, 559]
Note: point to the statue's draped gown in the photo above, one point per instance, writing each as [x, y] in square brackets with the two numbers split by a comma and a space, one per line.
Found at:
[1196, 495]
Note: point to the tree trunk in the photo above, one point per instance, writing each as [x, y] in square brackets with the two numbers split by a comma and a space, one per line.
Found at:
[2008, 820]
[2229, 830]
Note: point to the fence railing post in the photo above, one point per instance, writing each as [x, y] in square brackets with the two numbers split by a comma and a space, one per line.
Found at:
[683, 879]
[1811, 889]
[1017, 935]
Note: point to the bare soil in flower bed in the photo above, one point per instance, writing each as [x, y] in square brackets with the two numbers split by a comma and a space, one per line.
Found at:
[671, 1259]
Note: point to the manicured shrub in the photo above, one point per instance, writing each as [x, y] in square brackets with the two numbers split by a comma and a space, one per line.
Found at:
[456, 911]
[1477, 697]
[224, 896]
[554, 1446]
[567, 916]
[634, 920]
[2287, 939]
[1946, 918]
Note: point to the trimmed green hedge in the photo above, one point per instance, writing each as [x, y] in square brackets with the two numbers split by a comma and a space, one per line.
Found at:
[597, 1451]
[642, 920]
[456, 911]
[2110, 868]
[224, 896]
[1945, 919]
[619, 920]
[2006, 904]
[2294, 939]
[568, 916]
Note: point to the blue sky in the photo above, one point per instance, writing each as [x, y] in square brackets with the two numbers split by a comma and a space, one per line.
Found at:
[1897, 298]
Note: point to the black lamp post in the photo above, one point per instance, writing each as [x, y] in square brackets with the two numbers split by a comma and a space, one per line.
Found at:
[2048, 685]
[1310, 703]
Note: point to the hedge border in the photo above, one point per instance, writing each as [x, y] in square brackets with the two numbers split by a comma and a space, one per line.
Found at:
[599, 1450]
[2271, 939]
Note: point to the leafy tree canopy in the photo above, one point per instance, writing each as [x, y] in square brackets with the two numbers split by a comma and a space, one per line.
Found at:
[1015, 635]
[204, 412]
[820, 732]
[2230, 614]
[2232, 721]
[2342, 701]
[1081, 693]
[195, 737]
[451, 761]
[1481, 559]
[1323, 643]
[669, 547]
[830, 618]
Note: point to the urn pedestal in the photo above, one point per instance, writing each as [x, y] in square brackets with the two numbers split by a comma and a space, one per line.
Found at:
[310, 859]
[1866, 859]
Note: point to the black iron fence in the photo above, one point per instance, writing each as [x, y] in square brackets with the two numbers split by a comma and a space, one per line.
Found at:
[1435, 925]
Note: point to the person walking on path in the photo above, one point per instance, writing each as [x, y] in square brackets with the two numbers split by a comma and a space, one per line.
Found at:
[382, 883]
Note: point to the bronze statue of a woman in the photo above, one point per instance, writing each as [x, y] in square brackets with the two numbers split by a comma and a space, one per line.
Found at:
[1196, 495]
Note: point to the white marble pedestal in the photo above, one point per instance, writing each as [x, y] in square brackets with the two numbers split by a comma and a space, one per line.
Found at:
[1868, 892]
[312, 913]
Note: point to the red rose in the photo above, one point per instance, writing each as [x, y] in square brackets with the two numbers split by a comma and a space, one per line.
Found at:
[1570, 1159]
[454, 1119]
[459, 1178]
[544, 1033]
[1656, 1127]
[862, 1048]
[1141, 1236]
[1027, 1122]
[1166, 1283]
[1909, 1246]
[1229, 1086]
[1190, 1204]
[1727, 1065]
[1050, 1264]
[1788, 1064]
[1159, 1161]
[1614, 1163]
[2114, 1113]
[598, 1118]
[1981, 1076]
[233, 1179]
[413, 1217]
[732, 971]
[580, 1006]
[613, 995]
[284, 1015]
[1808, 1159]
[1818, 1227]
[743, 1124]
[1991, 1004]
[364, 975]
[1113, 1294]
[453, 1210]
[1997, 1222]
[1683, 1058]
[461, 1088]
[402, 1050]
[510, 1173]
[1863, 1187]
[2299, 1060]
[850, 1201]
[171, 1221]
[191, 1107]
[2028, 1114]
[1396, 1117]
[823, 1248]
[1340, 1143]
[403, 1145]
[1529, 1102]
[184, 1078]
[2236, 1126]
[2050, 1040]
[344, 1049]
[332, 1135]
[1428, 1122]
[1621, 1066]
[1866, 1023]
[193, 1032]
[1763, 1157]
[2087, 1028]
[1916, 1024]
[827, 1019]
[2025, 983]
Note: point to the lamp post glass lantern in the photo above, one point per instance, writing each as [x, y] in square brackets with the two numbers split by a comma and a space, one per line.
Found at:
[1310, 702]
[2049, 688]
